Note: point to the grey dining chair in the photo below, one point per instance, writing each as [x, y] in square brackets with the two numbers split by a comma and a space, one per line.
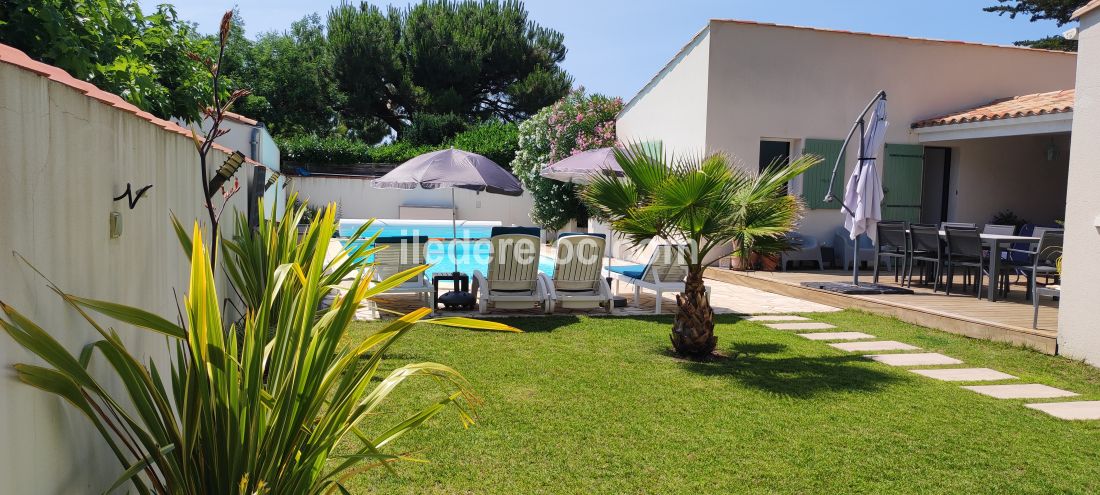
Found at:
[926, 246]
[893, 244]
[964, 250]
[957, 225]
[1042, 260]
[992, 228]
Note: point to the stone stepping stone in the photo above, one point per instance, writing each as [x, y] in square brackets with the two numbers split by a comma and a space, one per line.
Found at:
[877, 345]
[811, 325]
[914, 359]
[965, 374]
[836, 336]
[1081, 410]
[1021, 391]
[778, 318]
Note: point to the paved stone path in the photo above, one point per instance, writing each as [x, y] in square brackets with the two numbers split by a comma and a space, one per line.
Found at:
[965, 374]
[1021, 391]
[778, 318]
[915, 359]
[836, 336]
[812, 325]
[1078, 410]
[877, 345]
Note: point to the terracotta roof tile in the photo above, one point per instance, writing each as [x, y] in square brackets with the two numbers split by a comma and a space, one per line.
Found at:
[13, 56]
[1008, 108]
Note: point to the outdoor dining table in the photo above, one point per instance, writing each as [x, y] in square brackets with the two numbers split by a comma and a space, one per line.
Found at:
[995, 241]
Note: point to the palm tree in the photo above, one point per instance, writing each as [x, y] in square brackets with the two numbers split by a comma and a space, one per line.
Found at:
[702, 203]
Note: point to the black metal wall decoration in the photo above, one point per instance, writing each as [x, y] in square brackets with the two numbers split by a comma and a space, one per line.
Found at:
[131, 198]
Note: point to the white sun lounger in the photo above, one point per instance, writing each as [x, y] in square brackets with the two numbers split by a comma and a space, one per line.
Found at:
[513, 280]
[403, 253]
[578, 282]
[666, 271]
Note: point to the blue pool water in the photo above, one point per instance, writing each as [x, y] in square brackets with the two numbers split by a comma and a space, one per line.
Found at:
[472, 255]
[471, 250]
[434, 229]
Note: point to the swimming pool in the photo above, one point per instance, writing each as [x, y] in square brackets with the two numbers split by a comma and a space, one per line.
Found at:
[471, 255]
[471, 250]
[434, 229]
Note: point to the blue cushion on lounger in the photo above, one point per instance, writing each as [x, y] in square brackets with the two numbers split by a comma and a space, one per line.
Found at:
[515, 230]
[398, 239]
[567, 234]
[632, 271]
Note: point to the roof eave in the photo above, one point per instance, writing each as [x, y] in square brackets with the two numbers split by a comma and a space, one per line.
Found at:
[1049, 123]
[1085, 9]
[671, 64]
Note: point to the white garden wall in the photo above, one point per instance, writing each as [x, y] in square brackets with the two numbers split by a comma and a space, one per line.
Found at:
[358, 199]
[64, 156]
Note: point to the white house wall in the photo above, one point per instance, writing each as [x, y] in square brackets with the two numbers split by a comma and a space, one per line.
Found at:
[792, 83]
[673, 108]
[1078, 327]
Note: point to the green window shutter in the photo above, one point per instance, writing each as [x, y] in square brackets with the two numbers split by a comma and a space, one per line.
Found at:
[903, 182]
[815, 182]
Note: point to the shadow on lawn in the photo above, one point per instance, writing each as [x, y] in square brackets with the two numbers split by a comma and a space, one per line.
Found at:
[794, 376]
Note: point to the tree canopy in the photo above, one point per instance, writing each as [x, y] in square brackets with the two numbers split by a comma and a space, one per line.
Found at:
[477, 60]
[1058, 11]
[114, 45]
[290, 75]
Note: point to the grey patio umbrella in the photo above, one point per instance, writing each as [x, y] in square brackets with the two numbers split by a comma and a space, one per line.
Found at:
[451, 168]
[862, 202]
[580, 167]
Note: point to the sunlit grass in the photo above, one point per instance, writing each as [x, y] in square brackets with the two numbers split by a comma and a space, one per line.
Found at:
[597, 405]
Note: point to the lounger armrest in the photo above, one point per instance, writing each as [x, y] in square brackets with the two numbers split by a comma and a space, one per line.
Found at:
[480, 284]
[548, 284]
[542, 287]
[605, 289]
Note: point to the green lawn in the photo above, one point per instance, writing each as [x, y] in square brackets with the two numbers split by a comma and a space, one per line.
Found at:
[597, 405]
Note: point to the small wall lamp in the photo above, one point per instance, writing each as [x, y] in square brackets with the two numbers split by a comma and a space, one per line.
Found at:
[228, 168]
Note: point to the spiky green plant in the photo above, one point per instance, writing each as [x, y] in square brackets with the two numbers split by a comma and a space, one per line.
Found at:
[251, 256]
[252, 407]
[701, 204]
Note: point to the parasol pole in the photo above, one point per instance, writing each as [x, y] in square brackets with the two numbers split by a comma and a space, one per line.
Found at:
[454, 230]
[859, 125]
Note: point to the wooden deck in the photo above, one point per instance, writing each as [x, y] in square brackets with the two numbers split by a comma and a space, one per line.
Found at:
[1007, 320]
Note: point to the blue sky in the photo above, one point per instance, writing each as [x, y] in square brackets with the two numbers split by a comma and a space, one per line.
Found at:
[616, 46]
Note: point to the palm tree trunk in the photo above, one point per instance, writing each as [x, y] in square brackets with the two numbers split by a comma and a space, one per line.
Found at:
[693, 330]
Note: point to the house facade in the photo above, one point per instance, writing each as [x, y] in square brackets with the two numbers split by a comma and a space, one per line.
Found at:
[1078, 328]
[764, 91]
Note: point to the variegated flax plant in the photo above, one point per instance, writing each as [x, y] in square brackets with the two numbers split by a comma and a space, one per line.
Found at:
[256, 406]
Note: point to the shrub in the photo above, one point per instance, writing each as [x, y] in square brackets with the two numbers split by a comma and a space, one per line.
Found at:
[495, 140]
[398, 152]
[324, 150]
[576, 123]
